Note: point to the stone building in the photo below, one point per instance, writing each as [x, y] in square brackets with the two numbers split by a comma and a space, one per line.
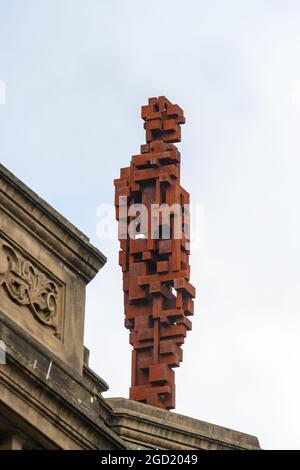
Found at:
[49, 397]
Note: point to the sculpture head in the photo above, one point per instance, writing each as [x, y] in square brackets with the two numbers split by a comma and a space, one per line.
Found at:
[162, 120]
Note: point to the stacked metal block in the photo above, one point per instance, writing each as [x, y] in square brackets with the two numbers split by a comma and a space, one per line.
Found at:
[158, 296]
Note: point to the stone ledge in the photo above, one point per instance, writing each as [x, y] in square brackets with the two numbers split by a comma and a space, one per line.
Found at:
[51, 402]
[52, 229]
[148, 427]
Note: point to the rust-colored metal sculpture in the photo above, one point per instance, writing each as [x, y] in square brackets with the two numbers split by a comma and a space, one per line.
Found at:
[154, 260]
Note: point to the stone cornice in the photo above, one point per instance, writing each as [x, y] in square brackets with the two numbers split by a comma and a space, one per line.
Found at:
[50, 227]
[70, 406]
[147, 427]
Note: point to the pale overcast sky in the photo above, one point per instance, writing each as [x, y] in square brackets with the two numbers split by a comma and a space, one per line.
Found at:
[76, 74]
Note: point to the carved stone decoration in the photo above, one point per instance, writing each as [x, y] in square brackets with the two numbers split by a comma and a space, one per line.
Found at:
[158, 297]
[28, 286]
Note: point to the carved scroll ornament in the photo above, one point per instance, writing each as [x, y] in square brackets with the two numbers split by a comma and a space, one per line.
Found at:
[28, 286]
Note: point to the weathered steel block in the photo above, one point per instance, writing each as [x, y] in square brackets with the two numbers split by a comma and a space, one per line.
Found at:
[157, 293]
